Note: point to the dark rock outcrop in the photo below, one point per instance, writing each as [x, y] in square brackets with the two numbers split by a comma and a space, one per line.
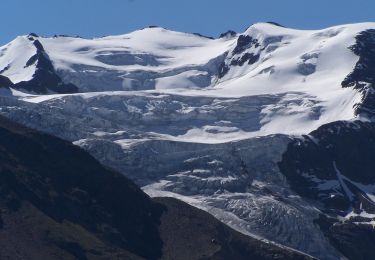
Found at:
[362, 77]
[228, 34]
[204, 36]
[245, 42]
[45, 78]
[334, 166]
[5, 82]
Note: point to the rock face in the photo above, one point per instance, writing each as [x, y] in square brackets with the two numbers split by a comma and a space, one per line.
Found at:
[337, 156]
[363, 75]
[5, 86]
[58, 202]
[5, 82]
[334, 167]
[45, 80]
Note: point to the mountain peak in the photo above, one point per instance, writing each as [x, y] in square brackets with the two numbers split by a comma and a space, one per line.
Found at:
[228, 34]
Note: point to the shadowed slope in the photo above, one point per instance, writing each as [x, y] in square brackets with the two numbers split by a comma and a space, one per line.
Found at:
[58, 202]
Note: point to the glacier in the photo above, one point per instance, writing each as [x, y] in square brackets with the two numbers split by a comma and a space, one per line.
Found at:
[204, 120]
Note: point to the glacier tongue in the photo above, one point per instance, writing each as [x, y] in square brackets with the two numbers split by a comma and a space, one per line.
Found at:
[140, 135]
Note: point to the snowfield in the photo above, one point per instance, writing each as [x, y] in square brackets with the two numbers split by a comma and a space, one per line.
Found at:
[304, 68]
[204, 120]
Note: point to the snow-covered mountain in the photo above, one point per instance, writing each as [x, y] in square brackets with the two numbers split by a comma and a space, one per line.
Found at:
[224, 124]
[301, 71]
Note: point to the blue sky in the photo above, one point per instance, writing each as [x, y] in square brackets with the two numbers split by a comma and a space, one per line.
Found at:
[90, 18]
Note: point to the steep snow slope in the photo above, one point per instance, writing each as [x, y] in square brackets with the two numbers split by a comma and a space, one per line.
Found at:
[13, 65]
[27, 64]
[313, 62]
[200, 119]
